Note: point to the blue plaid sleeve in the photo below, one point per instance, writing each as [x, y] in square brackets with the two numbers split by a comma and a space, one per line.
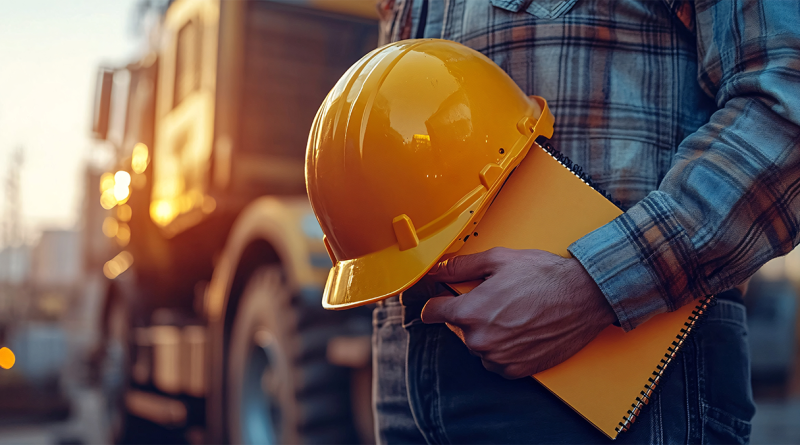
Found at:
[730, 202]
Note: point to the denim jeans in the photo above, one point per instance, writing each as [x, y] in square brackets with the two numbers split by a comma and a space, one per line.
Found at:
[428, 388]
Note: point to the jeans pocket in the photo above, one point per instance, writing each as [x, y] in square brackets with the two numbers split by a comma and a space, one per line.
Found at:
[542, 9]
[726, 392]
[721, 427]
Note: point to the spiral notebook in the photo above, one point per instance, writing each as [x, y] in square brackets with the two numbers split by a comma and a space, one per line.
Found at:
[546, 204]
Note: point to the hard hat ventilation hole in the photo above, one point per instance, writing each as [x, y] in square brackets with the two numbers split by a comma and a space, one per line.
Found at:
[466, 238]
[475, 234]
[502, 152]
[405, 232]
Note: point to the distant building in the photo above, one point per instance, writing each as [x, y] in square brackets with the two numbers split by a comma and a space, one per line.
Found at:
[15, 265]
[57, 259]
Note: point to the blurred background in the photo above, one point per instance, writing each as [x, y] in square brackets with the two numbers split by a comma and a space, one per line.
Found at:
[160, 268]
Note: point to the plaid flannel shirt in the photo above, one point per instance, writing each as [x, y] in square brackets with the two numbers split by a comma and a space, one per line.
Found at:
[688, 113]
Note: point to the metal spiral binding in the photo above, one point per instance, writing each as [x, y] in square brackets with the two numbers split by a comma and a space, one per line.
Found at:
[645, 395]
[697, 313]
[576, 169]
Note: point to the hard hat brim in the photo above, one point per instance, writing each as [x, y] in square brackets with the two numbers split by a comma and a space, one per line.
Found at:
[390, 271]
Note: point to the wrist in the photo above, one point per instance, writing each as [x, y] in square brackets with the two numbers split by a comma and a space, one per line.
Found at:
[594, 296]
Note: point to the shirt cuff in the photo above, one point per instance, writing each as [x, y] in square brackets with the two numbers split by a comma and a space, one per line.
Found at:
[624, 257]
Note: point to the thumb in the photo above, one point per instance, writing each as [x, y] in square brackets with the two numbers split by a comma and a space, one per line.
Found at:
[459, 269]
[438, 310]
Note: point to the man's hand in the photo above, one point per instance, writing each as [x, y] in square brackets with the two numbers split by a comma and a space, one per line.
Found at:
[534, 310]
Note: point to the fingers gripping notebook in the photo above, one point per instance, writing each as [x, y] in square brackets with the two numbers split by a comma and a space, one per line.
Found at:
[610, 380]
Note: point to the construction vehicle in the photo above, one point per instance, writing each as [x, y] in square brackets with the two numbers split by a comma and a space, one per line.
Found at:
[212, 319]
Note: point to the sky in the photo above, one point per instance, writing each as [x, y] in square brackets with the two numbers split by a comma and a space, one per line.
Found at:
[50, 51]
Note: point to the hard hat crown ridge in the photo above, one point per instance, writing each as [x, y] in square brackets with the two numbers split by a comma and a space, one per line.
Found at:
[404, 155]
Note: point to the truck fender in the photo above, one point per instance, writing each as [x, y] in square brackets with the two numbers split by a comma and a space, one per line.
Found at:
[272, 220]
[271, 226]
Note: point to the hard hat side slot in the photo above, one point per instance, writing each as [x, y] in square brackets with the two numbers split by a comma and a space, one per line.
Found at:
[489, 175]
[405, 233]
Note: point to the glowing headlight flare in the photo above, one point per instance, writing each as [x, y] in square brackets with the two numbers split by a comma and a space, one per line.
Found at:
[107, 199]
[140, 158]
[117, 265]
[106, 181]
[163, 212]
[110, 227]
[122, 178]
[123, 234]
[124, 213]
[121, 192]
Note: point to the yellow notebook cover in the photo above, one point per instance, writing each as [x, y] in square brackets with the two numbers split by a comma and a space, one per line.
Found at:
[543, 205]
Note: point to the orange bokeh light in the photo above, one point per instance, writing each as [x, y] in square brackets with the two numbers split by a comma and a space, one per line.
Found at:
[7, 358]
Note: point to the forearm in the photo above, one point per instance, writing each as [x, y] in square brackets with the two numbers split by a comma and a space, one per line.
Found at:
[729, 204]
[730, 201]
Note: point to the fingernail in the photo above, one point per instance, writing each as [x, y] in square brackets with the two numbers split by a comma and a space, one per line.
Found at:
[435, 269]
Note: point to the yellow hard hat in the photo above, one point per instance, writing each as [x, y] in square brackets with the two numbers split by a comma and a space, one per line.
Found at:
[405, 154]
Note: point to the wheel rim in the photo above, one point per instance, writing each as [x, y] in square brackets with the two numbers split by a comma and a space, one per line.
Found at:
[261, 416]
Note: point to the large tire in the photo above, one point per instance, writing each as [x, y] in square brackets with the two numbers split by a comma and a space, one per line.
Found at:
[279, 386]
